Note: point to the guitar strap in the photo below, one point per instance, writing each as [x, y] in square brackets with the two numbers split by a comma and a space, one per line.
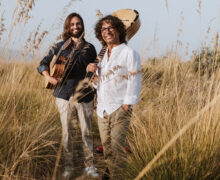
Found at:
[63, 47]
[66, 44]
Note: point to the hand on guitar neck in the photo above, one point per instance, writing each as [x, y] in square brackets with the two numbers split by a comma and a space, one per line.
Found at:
[51, 79]
[91, 68]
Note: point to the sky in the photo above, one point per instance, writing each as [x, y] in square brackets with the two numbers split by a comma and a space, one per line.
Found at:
[164, 23]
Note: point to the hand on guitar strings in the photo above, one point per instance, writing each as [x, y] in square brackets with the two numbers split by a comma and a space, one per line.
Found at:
[51, 79]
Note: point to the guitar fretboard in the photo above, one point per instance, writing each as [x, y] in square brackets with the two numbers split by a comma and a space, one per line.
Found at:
[101, 54]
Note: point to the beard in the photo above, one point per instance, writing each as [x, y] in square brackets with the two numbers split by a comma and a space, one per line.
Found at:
[76, 35]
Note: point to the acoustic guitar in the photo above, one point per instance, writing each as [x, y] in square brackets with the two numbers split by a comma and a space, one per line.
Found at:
[130, 19]
[57, 65]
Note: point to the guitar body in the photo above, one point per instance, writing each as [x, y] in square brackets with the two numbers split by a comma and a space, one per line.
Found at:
[56, 70]
[130, 19]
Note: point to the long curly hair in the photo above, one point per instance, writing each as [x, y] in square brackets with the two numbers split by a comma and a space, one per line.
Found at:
[66, 28]
[116, 23]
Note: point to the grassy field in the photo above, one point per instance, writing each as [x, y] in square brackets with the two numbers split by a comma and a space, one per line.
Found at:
[178, 113]
[174, 131]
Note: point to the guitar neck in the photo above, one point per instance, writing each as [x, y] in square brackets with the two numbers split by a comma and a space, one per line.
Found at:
[97, 60]
[57, 56]
[100, 55]
[64, 46]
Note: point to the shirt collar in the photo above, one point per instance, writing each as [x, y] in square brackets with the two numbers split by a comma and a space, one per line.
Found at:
[116, 48]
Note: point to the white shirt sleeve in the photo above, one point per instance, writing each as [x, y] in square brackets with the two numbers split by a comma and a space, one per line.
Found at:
[134, 79]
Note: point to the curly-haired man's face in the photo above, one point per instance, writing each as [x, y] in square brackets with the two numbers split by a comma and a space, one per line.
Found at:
[109, 33]
[75, 27]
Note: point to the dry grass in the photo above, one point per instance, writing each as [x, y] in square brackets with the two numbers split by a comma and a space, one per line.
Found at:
[33, 43]
[175, 128]
[29, 123]
[2, 25]
[171, 97]
[174, 132]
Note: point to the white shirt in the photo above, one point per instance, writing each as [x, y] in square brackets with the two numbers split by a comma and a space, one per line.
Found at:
[119, 79]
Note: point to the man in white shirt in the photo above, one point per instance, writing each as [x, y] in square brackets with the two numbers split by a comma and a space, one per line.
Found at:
[118, 89]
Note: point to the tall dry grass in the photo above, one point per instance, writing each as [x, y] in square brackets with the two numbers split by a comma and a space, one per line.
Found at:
[171, 97]
[174, 132]
[29, 124]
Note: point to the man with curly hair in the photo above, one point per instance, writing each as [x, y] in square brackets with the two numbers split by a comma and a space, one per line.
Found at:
[118, 89]
[75, 116]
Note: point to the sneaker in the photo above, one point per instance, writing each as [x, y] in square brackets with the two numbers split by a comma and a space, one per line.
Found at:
[68, 172]
[91, 171]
